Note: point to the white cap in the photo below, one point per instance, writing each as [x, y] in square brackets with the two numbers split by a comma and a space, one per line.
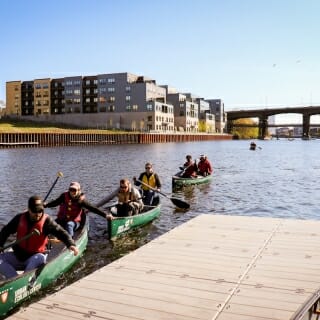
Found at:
[75, 185]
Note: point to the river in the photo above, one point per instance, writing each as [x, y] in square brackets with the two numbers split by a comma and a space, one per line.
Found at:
[279, 179]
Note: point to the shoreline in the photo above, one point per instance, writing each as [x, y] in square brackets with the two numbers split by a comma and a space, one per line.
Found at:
[95, 137]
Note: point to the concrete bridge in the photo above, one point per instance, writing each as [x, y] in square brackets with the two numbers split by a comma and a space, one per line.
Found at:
[263, 114]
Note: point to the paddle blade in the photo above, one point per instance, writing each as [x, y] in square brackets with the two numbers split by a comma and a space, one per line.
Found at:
[180, 204]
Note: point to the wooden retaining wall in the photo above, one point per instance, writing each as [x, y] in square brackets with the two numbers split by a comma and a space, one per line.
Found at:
[31, 140]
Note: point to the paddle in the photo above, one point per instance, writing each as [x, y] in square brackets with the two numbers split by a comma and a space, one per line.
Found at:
[59, 174]
[33, 232]
[179, 203]
[110, 205]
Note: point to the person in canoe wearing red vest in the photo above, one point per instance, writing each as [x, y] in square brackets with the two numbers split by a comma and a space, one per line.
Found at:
[151, 178]
[204, 166]
[189, 168]
[72, 205]
[30, 249]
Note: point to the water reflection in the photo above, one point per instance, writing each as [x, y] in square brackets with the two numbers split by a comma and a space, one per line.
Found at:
[279, 179]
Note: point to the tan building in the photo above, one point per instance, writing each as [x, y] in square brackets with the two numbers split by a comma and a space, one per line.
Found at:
[13, 98]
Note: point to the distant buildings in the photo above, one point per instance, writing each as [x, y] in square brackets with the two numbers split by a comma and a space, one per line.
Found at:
[113, 101]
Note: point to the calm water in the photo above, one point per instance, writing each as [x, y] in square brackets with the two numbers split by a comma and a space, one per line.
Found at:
[279, 179]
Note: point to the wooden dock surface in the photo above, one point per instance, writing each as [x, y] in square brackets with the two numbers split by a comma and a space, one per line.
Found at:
[212, 267]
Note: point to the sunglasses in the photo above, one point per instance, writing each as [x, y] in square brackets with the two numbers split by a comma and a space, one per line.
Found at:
[38, 212]
[72, 190]
[123, 187]
[148, 167]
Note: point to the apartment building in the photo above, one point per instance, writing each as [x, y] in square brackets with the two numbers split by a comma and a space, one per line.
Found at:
[206, 118]
[13, 97]
[217, 108]
[118, 100]
[186, 110]
[111, 101]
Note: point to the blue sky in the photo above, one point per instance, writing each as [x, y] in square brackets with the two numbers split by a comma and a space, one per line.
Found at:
[250, 53]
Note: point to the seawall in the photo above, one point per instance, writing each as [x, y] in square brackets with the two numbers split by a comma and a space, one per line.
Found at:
[31, 140]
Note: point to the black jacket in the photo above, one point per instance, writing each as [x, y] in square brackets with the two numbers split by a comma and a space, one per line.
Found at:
[49, 227]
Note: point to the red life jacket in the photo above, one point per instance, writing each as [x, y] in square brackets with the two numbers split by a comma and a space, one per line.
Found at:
[70, 210]
[36, 243]
[190, 169]
[205, 167]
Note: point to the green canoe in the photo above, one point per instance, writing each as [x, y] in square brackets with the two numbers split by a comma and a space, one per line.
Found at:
[120, 225]
[180, 182]
[16, 290]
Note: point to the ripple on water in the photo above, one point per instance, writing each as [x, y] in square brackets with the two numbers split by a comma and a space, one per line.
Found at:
[279, 180]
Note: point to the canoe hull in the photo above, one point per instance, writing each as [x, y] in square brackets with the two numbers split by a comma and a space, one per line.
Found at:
[179, 182]
[121, 225]
[14, 291]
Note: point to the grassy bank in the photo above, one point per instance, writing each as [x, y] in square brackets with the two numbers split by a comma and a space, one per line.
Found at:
[16, 126]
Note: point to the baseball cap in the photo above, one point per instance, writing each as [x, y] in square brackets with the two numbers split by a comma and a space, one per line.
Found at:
[75, 185]
[35, 204]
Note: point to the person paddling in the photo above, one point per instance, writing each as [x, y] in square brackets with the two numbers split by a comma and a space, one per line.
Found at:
[32, 228]
[129, 199]
[189, 168]
[204, 166]
[149, 177]
[72, 205]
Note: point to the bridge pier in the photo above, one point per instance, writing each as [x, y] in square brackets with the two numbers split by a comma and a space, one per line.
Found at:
[229, 126]
[306, 126]
[263, 126]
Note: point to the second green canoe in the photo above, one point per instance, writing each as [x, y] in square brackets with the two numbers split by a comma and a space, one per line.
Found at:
[120, 225]
[180, 182]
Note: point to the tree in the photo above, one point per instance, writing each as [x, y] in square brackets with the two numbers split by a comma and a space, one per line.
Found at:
[243, 132]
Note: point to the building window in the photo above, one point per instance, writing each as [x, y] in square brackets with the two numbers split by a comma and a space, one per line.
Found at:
[111, 89]
[128, 88]
[128, 98]
[111, 80]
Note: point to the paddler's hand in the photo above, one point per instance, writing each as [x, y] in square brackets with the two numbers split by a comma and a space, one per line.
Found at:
[109, 216]
[74, 249]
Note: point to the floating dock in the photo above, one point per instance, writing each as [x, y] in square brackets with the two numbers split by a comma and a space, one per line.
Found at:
[211, 267]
